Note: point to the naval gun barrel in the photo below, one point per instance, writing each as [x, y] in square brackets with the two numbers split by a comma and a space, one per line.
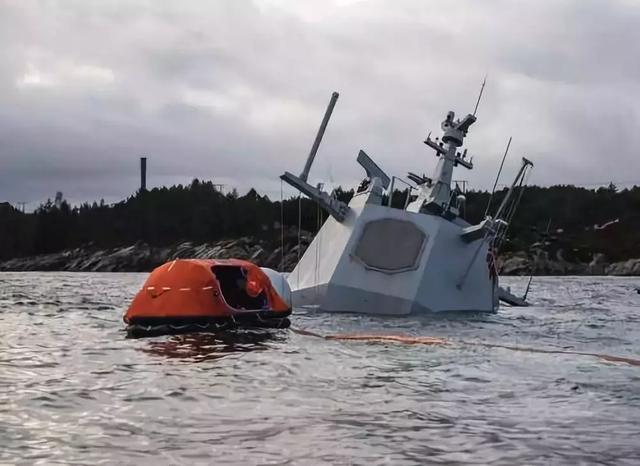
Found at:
[316, 144]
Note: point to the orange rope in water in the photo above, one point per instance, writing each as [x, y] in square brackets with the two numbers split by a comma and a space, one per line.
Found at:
[413, 340]
[394, 338]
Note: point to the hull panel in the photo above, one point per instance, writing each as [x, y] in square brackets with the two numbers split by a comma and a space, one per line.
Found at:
[344, 270]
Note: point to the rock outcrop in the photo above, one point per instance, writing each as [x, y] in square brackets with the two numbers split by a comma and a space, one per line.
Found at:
[141, 257]
[629, 267]
[522, 264]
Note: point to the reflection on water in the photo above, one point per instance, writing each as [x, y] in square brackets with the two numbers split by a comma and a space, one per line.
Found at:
[75, 390]
[199, 347]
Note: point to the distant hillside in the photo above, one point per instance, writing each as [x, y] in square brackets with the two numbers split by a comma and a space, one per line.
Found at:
[583, 221]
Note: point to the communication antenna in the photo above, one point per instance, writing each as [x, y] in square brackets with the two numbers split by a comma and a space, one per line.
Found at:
[484, 82]
[495, 184]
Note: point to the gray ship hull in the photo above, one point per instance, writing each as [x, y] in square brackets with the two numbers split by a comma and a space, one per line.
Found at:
[425, 258]
[388, 261]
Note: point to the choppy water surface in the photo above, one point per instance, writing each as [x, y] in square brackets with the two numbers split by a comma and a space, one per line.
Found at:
[73, 389]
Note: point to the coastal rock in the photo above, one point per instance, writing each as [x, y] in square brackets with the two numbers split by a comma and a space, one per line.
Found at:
[516, 265]
[540, 264]
[598, 265]
[629, 267]
[142, 257]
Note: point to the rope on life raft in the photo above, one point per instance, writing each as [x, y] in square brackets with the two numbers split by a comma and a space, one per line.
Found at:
[433, 341]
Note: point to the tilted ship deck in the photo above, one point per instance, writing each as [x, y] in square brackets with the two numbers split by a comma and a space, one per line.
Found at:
[371, 258]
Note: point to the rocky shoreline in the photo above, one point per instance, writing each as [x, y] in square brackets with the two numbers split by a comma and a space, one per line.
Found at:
[141, 257]
[523, 264]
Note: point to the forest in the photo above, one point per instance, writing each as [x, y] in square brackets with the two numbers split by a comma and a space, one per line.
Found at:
[577, 220]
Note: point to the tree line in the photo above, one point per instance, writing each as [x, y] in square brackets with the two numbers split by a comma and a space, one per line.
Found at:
[580, 221]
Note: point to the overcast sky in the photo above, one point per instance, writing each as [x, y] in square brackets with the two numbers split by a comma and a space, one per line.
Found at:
[234, 90]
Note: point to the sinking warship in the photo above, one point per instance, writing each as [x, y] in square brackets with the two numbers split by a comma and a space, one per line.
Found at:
[369, 257]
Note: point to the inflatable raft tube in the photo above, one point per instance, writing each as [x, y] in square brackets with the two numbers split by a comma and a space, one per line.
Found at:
[199, 295]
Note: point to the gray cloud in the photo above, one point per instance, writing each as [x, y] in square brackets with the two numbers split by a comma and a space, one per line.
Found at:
[234, 90]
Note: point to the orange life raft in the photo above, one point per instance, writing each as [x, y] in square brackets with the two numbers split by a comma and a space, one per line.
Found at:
[188, 295]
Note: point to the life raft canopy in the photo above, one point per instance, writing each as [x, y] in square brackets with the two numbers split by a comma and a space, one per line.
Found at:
[201, 291]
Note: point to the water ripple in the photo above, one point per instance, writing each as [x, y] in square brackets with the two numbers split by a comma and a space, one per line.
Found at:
[74, 390]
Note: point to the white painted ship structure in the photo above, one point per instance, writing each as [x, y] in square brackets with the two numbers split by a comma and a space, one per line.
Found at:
[372, 258]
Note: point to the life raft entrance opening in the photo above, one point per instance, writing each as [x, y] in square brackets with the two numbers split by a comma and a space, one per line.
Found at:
[233, 285]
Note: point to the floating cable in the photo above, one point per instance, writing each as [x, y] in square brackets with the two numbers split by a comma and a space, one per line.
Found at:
[437, 341]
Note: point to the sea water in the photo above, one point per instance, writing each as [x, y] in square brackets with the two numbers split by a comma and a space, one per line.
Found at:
[75, 390]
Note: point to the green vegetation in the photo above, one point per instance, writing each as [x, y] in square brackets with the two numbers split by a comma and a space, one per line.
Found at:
[200, 213]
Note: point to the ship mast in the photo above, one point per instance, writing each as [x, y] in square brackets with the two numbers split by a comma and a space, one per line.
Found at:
[435, 195]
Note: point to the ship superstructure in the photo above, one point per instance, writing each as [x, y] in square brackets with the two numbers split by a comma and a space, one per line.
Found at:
[371, 258]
